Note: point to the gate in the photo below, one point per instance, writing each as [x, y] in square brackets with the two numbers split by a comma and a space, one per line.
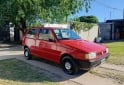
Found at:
[4, 33]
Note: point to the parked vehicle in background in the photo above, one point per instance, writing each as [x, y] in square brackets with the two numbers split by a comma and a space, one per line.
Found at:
[63, 46]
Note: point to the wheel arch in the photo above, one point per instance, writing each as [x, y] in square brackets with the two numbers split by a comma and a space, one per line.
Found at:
[25, 46]
[65, 54]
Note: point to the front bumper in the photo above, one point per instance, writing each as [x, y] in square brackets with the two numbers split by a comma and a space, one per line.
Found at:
[88, 64]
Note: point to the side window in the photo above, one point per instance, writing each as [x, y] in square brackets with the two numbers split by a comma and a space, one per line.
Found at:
[32, 33]
[45, 34]
[58, 34]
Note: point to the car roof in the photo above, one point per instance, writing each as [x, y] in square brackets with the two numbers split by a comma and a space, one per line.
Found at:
[45, 28]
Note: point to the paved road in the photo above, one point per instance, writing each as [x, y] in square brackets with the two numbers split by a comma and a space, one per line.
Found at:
[80, 79]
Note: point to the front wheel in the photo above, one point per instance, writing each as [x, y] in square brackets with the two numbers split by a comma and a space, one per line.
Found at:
[69, 65]
[27, 54]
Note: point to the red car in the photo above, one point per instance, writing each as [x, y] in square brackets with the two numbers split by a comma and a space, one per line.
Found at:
[63, 46]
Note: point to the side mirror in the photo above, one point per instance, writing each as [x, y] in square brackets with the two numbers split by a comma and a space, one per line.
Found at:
[52, 40]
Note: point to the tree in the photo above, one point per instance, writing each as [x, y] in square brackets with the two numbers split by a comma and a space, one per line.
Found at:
[88, 19]
[78, 26]
[21, 11]
[84, 23]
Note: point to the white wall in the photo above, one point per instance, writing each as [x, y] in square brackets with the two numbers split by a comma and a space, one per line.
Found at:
[91, 34]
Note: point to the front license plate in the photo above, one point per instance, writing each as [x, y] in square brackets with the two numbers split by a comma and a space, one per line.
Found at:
[103, 60]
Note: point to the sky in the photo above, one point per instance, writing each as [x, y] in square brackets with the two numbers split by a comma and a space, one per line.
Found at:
[105, 9]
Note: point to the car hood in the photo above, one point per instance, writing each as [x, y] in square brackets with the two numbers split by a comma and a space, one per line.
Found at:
[84, 45]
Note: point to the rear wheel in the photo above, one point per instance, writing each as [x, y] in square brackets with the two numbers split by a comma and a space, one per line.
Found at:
[27, 53]
[69, 65]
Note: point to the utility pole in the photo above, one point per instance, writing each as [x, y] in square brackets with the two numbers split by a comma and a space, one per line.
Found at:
[123, 13]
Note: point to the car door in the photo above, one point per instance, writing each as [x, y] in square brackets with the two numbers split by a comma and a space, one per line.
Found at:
[47, 45]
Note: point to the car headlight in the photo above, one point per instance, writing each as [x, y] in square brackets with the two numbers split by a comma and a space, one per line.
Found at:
[90, 55]
[107, 50]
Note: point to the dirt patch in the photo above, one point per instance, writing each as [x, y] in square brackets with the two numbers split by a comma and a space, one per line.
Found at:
[109, 73]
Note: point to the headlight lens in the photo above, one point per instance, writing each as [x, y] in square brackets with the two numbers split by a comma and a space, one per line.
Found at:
[107, 50]
[90, 55]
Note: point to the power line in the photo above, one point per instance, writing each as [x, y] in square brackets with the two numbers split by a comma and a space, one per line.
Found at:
[107, 6]
[110, 7]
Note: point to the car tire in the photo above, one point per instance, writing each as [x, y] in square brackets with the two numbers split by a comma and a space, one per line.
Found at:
[69, 66]
[27, 54]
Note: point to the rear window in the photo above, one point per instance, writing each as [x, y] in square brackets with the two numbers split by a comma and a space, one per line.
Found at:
[31, 33]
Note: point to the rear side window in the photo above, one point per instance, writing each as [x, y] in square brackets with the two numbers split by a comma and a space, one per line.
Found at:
[45, 34]
[32, 33]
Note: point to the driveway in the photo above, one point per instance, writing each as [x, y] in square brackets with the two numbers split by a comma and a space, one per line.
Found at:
[84, 78]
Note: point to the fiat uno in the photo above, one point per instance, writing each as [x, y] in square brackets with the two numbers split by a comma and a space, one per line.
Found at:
[64, 47]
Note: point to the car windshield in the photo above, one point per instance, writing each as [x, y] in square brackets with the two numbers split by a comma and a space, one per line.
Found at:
[66, 34]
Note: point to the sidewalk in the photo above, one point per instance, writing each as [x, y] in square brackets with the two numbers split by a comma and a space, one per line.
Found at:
[113, 67]
[5, 45]
[8, 51]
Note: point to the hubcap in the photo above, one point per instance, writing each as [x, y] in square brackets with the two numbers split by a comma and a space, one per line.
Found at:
[67, 65]
[26, 53]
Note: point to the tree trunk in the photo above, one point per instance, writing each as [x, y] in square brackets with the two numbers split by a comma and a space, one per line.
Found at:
[22, 24]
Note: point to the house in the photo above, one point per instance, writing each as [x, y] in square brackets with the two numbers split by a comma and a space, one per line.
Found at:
[112, 29]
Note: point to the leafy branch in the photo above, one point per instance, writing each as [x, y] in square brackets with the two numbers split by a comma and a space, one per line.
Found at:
[78, 26]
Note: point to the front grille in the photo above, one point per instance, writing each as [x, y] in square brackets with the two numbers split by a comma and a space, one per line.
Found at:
[101, 53]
